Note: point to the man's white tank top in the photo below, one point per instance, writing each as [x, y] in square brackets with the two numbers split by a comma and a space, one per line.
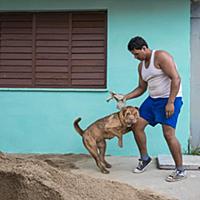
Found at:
[158, 83]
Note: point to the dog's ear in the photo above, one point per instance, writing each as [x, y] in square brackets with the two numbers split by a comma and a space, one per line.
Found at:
[123, 110]
[126, 112]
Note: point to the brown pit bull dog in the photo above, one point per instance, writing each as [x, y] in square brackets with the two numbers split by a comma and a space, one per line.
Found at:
[108, 127]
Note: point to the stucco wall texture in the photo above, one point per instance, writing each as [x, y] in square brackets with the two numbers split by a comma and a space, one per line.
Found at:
[41, 121]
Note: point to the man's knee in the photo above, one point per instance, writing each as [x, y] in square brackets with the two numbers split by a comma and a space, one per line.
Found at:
[169, 132]
[139, 126]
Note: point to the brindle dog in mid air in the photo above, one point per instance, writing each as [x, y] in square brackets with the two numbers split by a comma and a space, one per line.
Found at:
[108, 127]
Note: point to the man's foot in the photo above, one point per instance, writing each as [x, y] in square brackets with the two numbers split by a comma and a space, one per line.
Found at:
[142, 165]
[177, 175]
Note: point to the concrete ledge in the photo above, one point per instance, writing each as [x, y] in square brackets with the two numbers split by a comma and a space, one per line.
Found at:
[189, 161]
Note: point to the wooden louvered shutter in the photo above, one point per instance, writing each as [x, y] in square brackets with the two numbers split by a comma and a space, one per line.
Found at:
[89, 50]
[53, 50]
[16, 50]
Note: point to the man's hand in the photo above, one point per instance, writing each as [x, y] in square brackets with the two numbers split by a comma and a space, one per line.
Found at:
[120, 98]
[117, 97]
[169, 109]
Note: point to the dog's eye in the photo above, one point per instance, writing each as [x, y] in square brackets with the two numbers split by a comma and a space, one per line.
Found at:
[136, 114]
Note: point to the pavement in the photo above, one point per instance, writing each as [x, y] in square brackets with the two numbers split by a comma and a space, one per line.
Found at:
[152, 179]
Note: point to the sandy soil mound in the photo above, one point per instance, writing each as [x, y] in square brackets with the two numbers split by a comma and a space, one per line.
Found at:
[48, 177]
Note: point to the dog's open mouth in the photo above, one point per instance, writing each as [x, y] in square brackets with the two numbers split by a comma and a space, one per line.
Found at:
[131, 122]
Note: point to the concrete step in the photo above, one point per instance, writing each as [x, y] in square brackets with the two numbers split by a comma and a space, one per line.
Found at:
[190, 162]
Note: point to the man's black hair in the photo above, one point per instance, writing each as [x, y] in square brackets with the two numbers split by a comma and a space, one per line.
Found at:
[137, 43]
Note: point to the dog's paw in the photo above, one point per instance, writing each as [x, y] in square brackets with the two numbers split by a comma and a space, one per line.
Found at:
[120, 144]
[108, 165]
[105, 171]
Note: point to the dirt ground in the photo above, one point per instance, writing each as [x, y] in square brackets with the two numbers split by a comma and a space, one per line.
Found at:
[50, 177]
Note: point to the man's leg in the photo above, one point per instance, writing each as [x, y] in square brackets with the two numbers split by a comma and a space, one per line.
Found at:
[175, 149]
[140, 139]
[139, 134]
[173, 144]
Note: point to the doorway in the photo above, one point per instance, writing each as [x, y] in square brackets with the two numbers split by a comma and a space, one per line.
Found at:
[195, 74]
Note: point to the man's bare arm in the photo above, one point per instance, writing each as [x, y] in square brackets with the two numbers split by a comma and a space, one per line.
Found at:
[142, 86]
[167, 64]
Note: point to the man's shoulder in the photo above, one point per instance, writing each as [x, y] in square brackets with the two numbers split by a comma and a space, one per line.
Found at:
[140, 66]
[162, 54]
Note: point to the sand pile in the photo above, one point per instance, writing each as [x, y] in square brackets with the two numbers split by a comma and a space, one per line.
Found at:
[48, 177]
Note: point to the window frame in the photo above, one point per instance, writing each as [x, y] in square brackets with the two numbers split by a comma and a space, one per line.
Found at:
[70, 86]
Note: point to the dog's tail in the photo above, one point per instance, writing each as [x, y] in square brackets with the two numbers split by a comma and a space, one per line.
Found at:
[77, 127]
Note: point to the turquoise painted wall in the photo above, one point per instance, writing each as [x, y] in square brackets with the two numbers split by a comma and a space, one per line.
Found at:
[40, 121]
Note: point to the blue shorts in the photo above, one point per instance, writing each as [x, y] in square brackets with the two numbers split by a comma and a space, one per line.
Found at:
[153, 111]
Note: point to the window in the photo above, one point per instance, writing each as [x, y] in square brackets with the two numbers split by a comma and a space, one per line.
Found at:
[53, 50]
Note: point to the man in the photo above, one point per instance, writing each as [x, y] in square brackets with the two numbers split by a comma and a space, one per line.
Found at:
[157, 74]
